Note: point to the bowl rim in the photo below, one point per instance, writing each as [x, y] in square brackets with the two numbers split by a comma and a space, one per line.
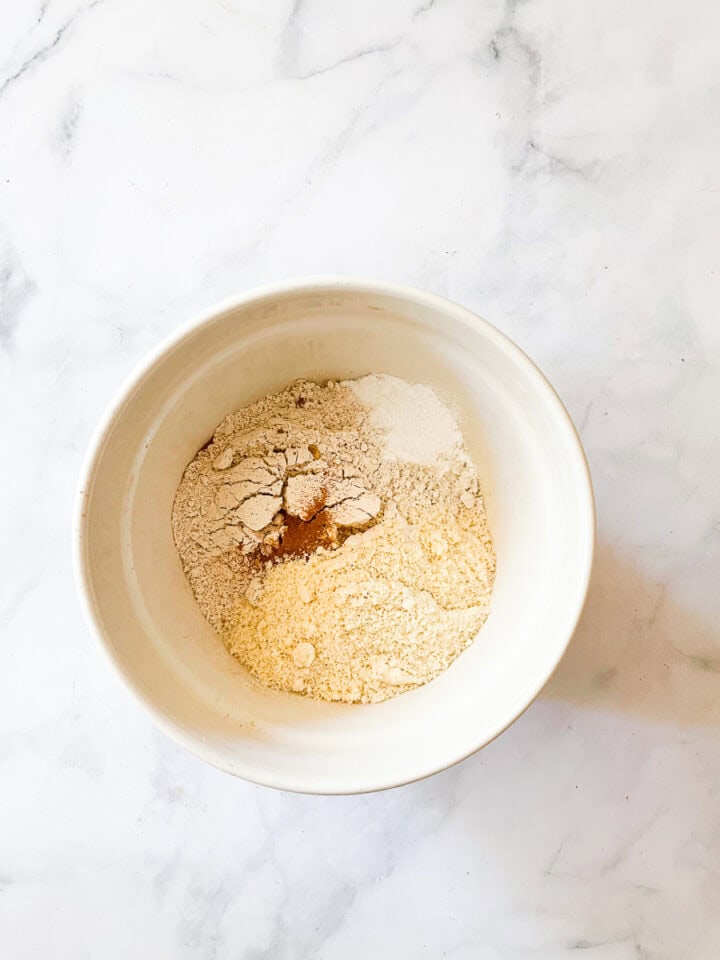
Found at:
[205, 317]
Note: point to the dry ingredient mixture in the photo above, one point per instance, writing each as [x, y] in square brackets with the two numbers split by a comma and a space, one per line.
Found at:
[335, 537]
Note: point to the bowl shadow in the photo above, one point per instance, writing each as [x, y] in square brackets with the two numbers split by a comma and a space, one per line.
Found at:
[637, 650]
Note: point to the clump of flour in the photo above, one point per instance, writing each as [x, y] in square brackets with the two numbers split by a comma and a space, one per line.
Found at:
[417, 426]
[336, 538]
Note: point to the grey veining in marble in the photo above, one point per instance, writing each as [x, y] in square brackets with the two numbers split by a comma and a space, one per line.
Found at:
[555, 168]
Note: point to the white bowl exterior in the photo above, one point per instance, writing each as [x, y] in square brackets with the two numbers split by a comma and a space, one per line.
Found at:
[537, 491]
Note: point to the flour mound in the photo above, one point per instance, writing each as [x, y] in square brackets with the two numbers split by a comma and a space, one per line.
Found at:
[335, 536]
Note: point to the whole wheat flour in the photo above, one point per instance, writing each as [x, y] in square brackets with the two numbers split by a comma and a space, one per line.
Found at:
[335, 536]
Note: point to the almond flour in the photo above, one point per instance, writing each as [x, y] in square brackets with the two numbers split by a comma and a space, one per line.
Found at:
[335, 537]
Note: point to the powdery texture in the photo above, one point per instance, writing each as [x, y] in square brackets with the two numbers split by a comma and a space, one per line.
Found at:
[399, 579]
[388, 611]
[242, 490]
[417, 425]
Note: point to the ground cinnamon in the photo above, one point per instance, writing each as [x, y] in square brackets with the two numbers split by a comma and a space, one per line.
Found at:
[303, 537]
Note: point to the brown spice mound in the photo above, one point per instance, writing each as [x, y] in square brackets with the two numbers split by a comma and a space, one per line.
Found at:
[303, 537]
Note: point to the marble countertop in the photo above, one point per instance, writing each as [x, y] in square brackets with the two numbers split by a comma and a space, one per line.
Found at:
[556, 169]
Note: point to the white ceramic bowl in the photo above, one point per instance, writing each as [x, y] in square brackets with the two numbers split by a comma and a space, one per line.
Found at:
[539, 502]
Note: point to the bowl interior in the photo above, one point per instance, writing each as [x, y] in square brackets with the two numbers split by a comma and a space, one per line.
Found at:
[540, 511]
